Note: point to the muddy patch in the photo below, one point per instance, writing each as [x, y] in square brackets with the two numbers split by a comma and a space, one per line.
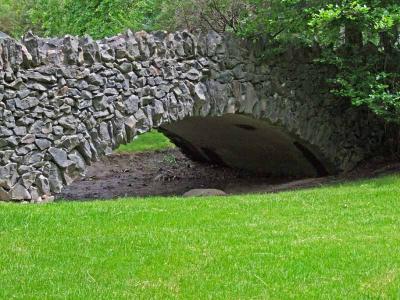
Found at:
[159, 173]
[169, 172]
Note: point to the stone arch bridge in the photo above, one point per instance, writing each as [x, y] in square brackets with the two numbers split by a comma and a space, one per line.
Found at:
[65, 102]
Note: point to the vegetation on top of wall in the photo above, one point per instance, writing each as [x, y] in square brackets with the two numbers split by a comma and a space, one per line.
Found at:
[359, 37]
[98, 18]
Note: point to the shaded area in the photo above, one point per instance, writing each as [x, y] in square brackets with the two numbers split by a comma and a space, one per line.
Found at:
[318, 165]
[167, 172]
[245, 143]
[233, 153]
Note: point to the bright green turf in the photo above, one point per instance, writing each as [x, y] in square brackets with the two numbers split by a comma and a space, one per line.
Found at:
[149, 141]
[338, 242]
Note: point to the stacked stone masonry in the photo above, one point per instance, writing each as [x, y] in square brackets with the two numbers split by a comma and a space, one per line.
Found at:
[65, 102]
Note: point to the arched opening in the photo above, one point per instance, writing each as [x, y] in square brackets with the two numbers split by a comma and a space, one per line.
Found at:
[246, 143]
[235, 153]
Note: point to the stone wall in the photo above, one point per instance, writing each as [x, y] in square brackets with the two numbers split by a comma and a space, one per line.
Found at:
[66, 102]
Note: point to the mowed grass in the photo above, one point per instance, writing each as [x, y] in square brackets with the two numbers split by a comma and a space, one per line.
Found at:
[149, 141]
[340, 242]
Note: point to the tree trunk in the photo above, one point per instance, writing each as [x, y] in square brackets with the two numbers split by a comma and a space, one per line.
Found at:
[353, 37]
[386, 42]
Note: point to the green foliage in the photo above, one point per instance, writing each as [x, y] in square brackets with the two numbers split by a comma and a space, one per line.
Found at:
[338, 242]
[367, 71]
[14, 17]
[170, 159]
[98, 18]
[7, 17]
[380, 91]
[218, 15]
[359, 37]
[372, 18]
[275, 20]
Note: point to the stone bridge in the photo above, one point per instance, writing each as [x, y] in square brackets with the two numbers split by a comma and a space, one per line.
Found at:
[66, 102]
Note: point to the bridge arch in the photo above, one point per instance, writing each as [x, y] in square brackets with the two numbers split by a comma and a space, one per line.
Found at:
[65, 102]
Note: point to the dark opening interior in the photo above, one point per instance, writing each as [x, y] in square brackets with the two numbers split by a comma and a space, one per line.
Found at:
[244, 143]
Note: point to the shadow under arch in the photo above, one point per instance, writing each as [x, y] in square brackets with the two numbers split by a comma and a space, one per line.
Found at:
[246, 143]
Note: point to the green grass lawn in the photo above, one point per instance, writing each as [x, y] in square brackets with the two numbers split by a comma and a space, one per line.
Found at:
[149, 141]
[340, 242]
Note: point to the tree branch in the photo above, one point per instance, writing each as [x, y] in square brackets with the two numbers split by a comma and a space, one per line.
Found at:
[202, 16]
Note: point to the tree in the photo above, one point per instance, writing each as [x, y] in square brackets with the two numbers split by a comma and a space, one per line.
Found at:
[98, 18]
[217, 15]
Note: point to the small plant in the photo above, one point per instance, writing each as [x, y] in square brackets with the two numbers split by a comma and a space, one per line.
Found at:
[170, 159]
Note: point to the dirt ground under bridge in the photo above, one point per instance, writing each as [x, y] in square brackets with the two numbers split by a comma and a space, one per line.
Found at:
[169, 172]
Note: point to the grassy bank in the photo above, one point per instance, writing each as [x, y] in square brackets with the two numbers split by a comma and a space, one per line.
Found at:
[149, 141]
[336, 242]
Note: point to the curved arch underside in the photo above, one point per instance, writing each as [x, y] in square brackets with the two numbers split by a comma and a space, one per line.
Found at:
[66, 102]
[247, 143]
